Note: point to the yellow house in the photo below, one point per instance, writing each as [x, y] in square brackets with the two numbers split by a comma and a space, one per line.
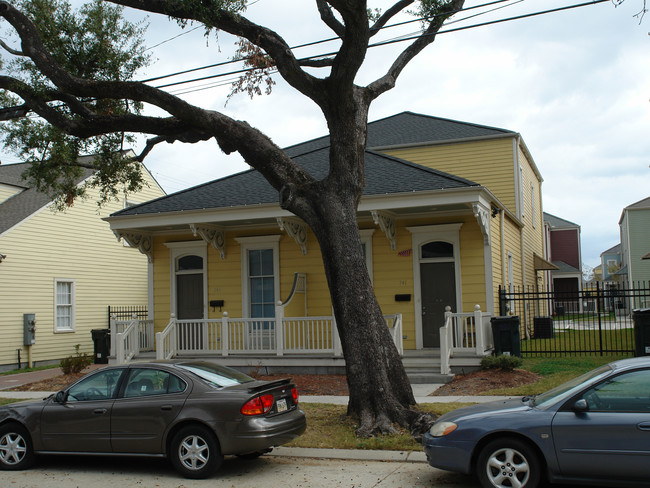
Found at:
[62, 269]
[451, 210]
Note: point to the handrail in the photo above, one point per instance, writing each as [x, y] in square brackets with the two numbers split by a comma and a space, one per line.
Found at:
[446, 342]
[166, 340]
[127, 342]
[462, 332]
[396, 331]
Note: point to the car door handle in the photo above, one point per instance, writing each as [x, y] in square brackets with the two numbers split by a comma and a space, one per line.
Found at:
[644, 426]
[99, 411]
[166, 408]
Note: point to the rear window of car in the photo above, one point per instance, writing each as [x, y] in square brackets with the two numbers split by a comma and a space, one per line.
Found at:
[216, 375]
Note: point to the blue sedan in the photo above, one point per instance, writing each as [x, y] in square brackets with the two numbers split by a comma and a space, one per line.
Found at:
[593, 430]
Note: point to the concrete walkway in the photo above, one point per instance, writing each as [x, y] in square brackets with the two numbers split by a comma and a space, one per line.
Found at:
[420, 392]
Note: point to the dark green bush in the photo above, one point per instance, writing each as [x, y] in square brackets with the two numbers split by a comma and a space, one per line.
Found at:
[504, 362]
[77, 363]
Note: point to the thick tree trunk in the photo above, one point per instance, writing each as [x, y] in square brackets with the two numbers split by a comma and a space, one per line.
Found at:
[380, 392]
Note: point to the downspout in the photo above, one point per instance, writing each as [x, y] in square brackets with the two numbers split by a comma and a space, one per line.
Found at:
[503, 249]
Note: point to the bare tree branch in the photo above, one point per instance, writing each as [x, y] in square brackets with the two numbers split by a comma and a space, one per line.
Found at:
[273, 44]
[328, 18]
[10, 50]
[389, 14]
[387, 81]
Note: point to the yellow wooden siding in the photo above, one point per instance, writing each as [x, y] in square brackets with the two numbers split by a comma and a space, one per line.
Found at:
[7, 191]
[75, 245]
[392, 273]
[489, 163]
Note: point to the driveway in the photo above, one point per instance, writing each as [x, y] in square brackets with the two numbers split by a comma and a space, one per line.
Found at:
[274, 471]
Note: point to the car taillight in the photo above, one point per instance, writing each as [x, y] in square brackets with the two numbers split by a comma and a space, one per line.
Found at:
[294, 394]
[258, 405]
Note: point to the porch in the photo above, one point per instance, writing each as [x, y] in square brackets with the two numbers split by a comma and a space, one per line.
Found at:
[305, 344]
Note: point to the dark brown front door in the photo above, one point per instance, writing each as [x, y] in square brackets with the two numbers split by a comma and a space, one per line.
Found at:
[189, 292]
[438, 288]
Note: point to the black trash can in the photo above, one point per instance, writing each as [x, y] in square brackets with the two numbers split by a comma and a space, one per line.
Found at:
[505, 331]
[543, 327]
[102, 342]
[641, 331]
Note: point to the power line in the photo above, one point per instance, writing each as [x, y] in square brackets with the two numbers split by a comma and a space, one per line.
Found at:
[393, 41]
[307, 44]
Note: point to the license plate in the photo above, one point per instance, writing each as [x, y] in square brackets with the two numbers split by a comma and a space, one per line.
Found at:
[282, 405]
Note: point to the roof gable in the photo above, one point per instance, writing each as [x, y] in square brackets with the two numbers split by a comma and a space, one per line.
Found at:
[23, 204]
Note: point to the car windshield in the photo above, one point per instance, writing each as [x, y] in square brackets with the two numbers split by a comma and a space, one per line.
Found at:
[215, 375]
[569, 388]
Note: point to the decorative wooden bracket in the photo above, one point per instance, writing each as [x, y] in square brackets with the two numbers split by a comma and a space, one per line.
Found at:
[295, 229]
[212, 235]
[387, 224]
[142, 242]
[483, 218]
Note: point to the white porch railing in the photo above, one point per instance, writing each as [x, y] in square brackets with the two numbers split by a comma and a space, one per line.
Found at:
[129, 337]
[274, 336]
[464, 333]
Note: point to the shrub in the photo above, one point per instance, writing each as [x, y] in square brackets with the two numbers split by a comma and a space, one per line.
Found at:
[77, 363]
[503, 362]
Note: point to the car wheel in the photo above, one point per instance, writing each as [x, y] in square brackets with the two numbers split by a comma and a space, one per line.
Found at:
[195, 452]
[508, 463]
[16, 451]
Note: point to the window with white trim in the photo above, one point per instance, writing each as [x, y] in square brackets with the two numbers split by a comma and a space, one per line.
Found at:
[260, 275]
[63, 305]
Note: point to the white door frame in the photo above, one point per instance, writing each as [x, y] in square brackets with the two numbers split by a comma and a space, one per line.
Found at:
[421, 235]
[178, 250]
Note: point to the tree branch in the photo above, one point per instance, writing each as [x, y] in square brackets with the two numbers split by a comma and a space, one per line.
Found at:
[10, 50]
[388, 81]
[327, 16]
[237, 25]
[187, 123]
[389, 14]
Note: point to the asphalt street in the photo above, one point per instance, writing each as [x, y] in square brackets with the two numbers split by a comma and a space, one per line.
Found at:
[267, 471]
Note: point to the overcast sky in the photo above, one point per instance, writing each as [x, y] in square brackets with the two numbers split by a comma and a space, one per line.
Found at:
[575, 84]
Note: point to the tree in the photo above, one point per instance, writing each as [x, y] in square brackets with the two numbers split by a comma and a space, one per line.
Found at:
[82, 109]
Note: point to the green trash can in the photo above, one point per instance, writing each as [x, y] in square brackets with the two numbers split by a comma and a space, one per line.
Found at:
[102, 343]
[505, 331]
[641, 332]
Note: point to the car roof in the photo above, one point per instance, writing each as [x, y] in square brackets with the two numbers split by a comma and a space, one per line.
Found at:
[631, 363]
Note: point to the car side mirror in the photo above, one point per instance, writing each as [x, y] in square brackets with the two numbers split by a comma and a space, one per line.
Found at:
[581, 406]
[61, 397]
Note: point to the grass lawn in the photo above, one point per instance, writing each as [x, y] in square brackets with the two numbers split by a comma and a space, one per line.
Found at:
[328, 426]
[27, 370]
[554, 371]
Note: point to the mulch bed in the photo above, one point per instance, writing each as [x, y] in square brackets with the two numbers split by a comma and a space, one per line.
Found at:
[336, 384]
[485, 380]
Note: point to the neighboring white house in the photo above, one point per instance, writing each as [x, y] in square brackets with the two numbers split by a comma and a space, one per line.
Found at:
[64, 267]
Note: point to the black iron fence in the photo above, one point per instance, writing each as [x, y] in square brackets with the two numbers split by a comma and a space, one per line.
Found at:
[125, 312]
[593, 321]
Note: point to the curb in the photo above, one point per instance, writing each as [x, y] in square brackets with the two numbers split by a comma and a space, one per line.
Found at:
[351, 454]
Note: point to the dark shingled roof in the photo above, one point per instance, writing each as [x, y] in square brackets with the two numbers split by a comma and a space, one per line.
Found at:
[409, 128]
[384, 175]
[24, 203]
[557, 221]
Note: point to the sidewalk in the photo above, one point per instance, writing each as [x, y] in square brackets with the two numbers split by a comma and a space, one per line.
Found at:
[420, 392]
